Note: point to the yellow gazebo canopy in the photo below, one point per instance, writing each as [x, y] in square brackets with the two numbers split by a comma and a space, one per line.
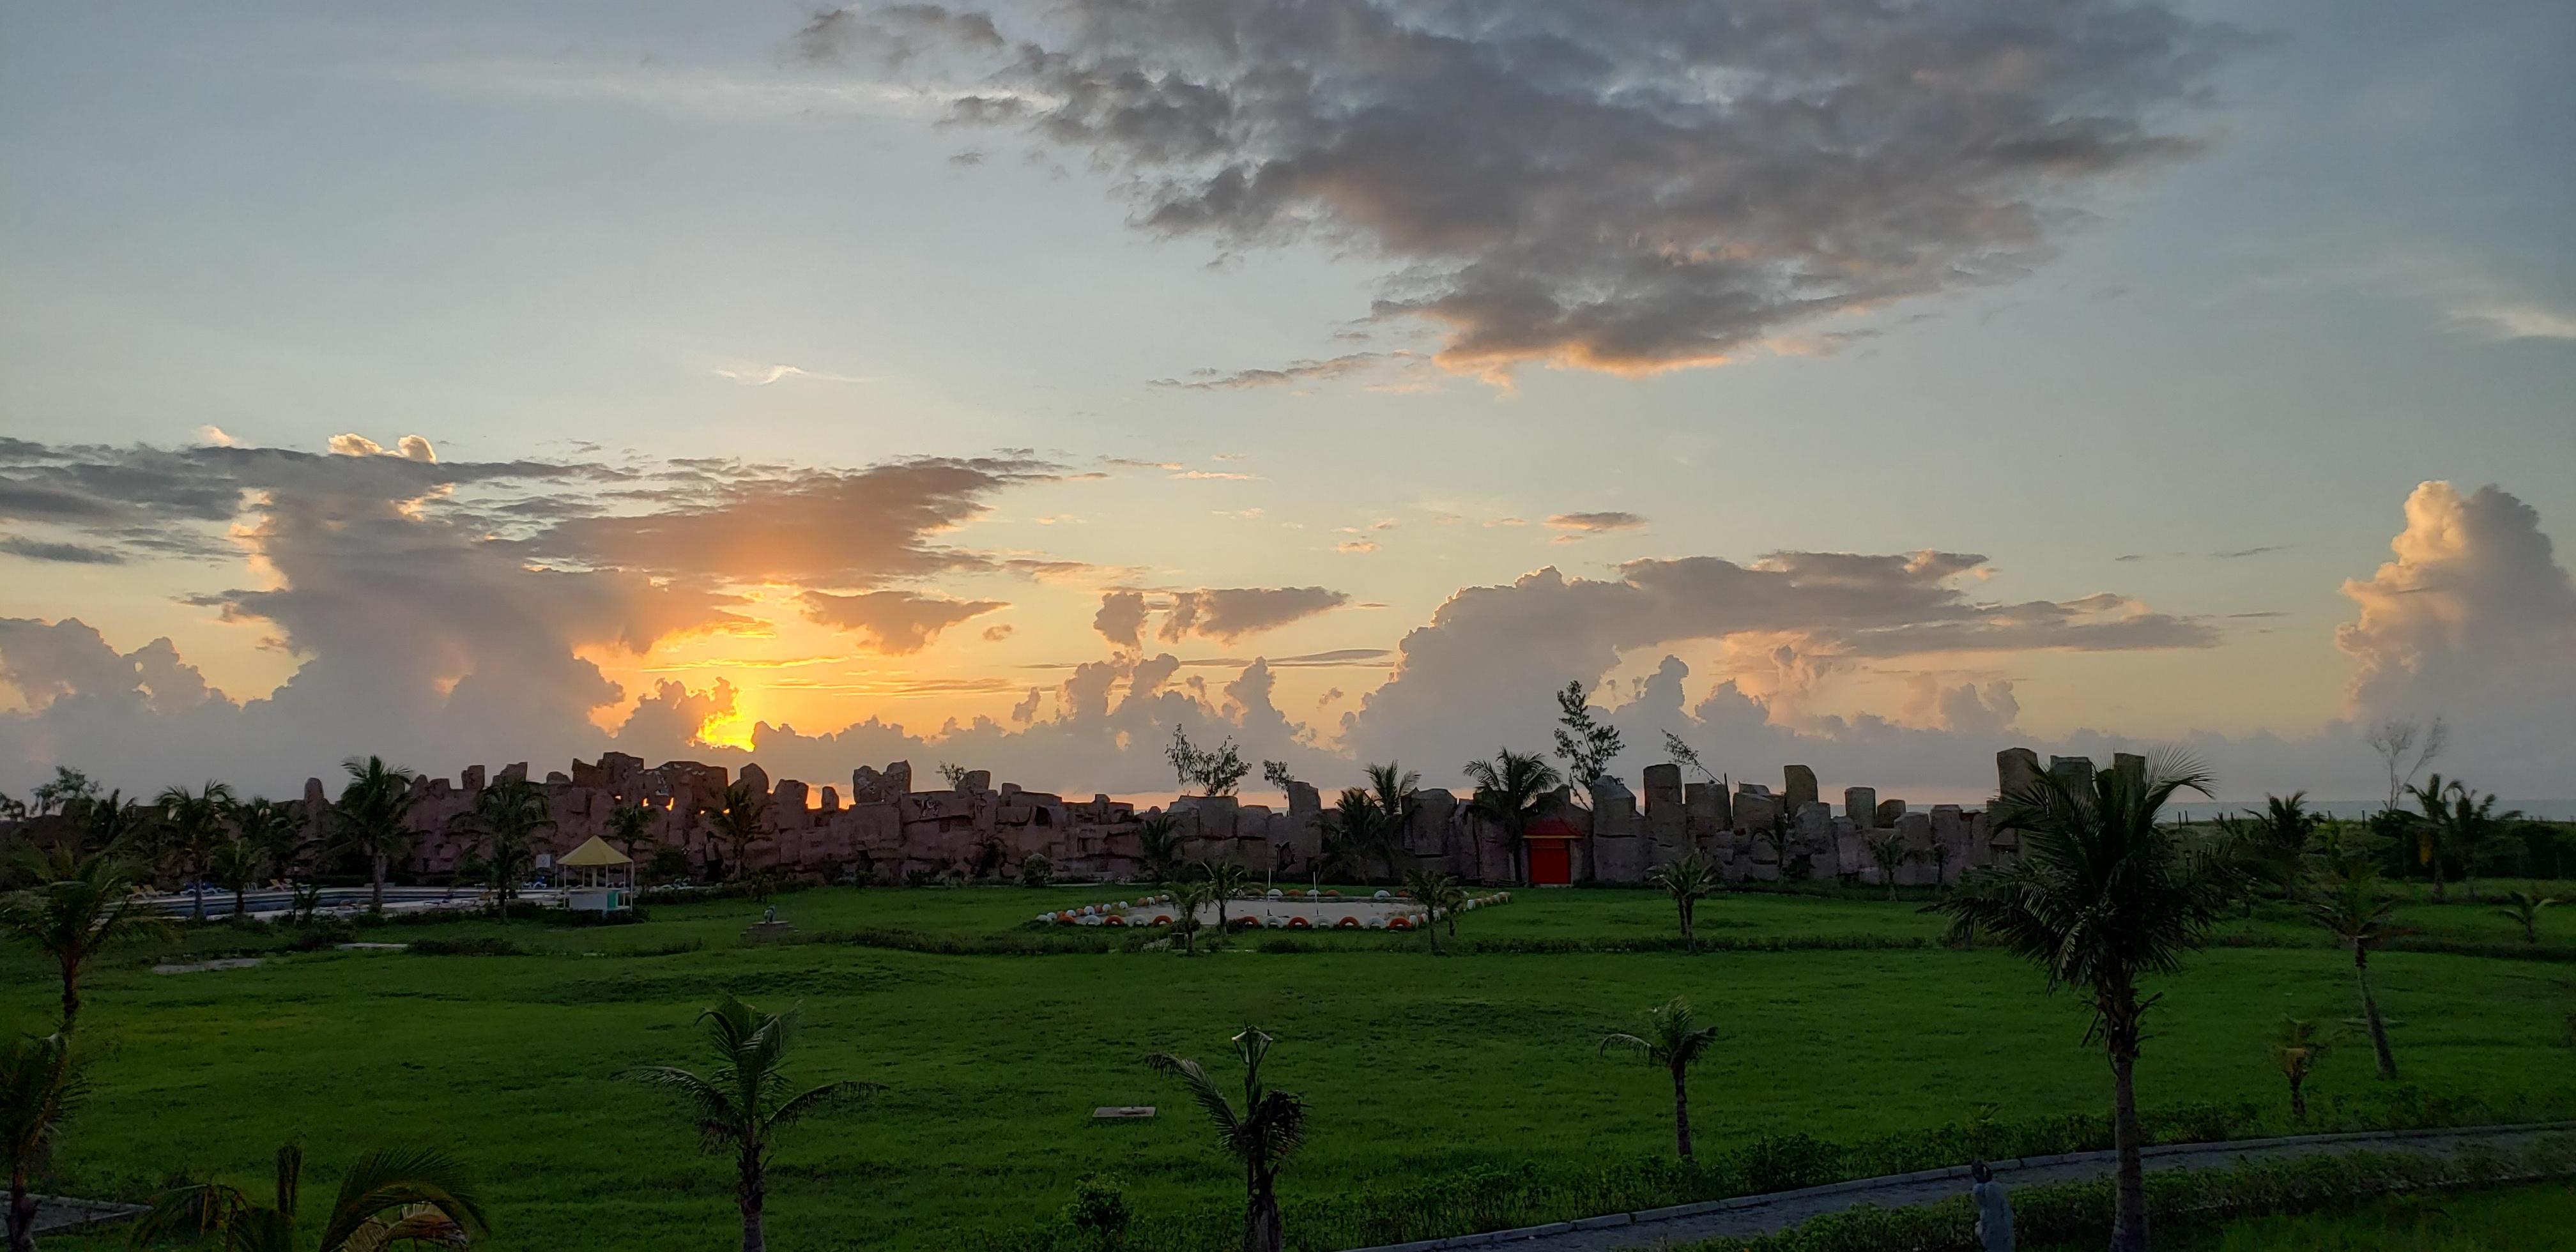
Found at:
[594, 854]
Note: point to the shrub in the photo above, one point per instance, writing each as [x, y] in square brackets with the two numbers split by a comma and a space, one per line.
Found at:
[1098, 1212]
[320, 933]
[1037, 871]
[484, 945]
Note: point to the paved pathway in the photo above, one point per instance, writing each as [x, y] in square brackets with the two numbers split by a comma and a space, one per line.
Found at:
[58, 1214]
[1763, 1214]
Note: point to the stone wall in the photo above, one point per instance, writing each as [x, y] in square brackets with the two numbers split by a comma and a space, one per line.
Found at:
[883, 830]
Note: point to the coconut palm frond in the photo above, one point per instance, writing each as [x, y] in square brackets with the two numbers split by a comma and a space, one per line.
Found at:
[397, 1179]
[844, 1091]
[1203, 1089]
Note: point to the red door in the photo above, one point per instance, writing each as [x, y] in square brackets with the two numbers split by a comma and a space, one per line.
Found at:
[1551, 862]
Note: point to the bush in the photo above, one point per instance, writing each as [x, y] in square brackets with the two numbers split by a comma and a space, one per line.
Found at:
[1098, 1212]
[1037, 871]
[320, 933]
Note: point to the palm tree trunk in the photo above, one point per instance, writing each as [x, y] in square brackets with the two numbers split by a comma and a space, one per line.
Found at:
[71, 991]
[376, 885]
[754, 1189]
[197, 895]
[2129, 1220]
[1681, 1114]
[22, 1213]
[1432, 928]
[1261, 1231]
[240, 905]
[2437, 875]
[2370, 1014]
[2298, 1101]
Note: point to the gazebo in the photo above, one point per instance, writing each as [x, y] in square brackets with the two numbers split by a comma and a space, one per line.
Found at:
[600, 878]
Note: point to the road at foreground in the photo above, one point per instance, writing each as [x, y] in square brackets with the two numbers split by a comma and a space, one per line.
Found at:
[1768, 1214]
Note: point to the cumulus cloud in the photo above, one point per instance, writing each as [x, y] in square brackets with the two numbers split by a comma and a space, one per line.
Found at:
[1491, 655]
[897, 623]
[1229, 613]
[1121, 619]
[1622, 186]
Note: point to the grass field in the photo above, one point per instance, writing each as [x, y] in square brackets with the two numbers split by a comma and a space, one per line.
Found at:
[1416, 1068]
[2522, 1219]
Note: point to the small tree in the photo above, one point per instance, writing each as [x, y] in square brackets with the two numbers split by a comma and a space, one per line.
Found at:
[2397, 743]
[1439, 895]
[1187, 899]
[1583, 742]
[1688, 879]
[2296, 1048]
[2524, 908]
[40, 1088]
[954, 774]
[67, 788]
[408, 1196]
[277, 832]
[82, 904]
[1276, 774]
[2349, 908]
[235, 865]
[1212, 771]
[1098, 1212]
[1260, 1137]
[1225, 880]
[742, 1104]
[1036, 870]
[1672, 1042]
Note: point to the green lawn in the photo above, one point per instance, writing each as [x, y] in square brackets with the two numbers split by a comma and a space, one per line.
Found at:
[1415, 1067]
[2521, 1219]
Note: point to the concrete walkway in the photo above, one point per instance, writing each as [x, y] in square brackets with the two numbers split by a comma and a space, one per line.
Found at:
[61, 1214]
[1765, 1214]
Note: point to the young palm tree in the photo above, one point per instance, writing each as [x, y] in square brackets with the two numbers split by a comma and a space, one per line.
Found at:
[373, 818]
[1261, 1137]
[2524, 908]
[1673, 1043]
[739, 822]
[82, 903]
[1439, 896]
[1158, 849]
[112, 823]
[192, 827]
[408, 1196]
[40, 1088]
[2296, 1048]
[1688, 879]
[2279, 840]
[1887, 850]
[742, 1104]
[1360, 831]
[1187, 899]
[630, 827]
[2350, 909]
[1509, 789]
[1225, 880]
[2475, 828]
[2103, 897]
[508, 814]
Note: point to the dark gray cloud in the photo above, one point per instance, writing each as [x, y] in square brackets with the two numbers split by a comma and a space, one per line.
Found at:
[60, 553]
[1626, 185]
[1295, 372]
[1229, 613]
[897, 623]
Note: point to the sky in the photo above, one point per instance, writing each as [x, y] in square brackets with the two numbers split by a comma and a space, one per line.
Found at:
[1866, 386]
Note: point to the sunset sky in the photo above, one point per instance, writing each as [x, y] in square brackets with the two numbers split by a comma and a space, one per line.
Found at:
[1873, 386]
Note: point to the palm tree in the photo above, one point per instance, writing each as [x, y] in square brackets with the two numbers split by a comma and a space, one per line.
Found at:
[2296, 1048]
[1392, 788]
[111, 823]
[508, 814]
[1672, 1042]
[1158, 849]
[2475, 827]
[82, 903]
[1509, 789]
[2350, 909]
[1187, 899]
[1887, 850]
[1688, 879]
[373, 817]
[2102, 897]
[276, 831]
[2524, 908]
[1262, 1136]
[630, 827]
[742, 1103]
[1359, 830]
[1225, 880]
[2277, 841]
[738, 822]
[409, 1196]
[2433, 830]
[192, 826]
[40, 1088]
[1439, 896]
[235, 865]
